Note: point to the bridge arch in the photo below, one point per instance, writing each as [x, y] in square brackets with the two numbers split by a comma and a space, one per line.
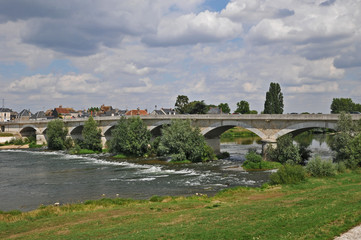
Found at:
[155, 129]
[76, 132]
[215, 130]
[301, 127]
[107, 132]
[29, 131]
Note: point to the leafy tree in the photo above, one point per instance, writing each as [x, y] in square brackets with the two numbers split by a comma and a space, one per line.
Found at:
[253, 112]
[285, 151]
[274, 100]
[181, 104]
[242, 107]
[347, 141]
[91, 135]
[339, 105]
[130, 137]
[182, 142]
[196, 107]
[225, 108]
[56, 134]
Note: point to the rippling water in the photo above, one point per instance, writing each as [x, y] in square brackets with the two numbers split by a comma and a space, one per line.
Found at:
[31, 178]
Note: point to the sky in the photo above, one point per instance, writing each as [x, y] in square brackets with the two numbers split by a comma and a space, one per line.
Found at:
[144, 53]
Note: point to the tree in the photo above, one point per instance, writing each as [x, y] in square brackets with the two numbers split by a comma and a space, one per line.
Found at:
[346, 105]
[130, 137]
[56, 134]
[181, 104]
[91, 135]
[286, 151]
[196, 107]
[225, 108]
[347, 141]
[339, 105]
[242, 107]
[182, 142]
[274, 100]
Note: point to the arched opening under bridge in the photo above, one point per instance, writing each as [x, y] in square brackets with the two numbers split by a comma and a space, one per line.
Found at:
[28, 132]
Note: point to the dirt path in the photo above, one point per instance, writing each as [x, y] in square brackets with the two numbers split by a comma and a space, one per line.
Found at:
[353, 234]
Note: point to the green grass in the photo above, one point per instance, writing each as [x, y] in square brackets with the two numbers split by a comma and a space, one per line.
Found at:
[320, 208]
[120, 156]
[237, 132]
[263, 165]
[4, 134]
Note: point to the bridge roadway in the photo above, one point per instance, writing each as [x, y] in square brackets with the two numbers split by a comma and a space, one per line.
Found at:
[268, 127]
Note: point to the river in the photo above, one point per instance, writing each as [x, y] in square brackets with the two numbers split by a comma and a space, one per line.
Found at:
[29, 178]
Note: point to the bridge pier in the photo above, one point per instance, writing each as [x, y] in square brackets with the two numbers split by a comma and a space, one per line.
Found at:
[215, 144]
[104, 141]
[40, 139]
[267, 143]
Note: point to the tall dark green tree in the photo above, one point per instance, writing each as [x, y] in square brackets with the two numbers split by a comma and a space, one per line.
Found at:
[225, 108]
[130, 137]
[181, 104]
[56, 135]
[91, 135]
[274, 100]
[242, 107]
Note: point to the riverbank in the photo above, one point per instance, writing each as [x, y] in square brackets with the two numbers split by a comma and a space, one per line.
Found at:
[15, 146]
[320, 208]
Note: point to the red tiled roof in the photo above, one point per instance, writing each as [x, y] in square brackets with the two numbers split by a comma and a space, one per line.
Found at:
[136, 112]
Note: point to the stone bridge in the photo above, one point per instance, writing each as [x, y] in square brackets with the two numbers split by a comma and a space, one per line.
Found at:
[268, 127]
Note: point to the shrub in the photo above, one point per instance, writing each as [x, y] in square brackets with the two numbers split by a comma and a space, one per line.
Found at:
[56, 134]
[91, 135]
[130, 137]
[254, 161]
[285, 151]
[288, 174]
[183, 142]
[320, 168]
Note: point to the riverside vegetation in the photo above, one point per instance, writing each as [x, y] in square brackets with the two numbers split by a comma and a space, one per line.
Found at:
[318, 201]
[318, 208]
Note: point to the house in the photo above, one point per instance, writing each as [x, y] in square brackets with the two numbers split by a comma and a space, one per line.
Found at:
[38, 116]
[136, 112]
[214, 110]
[5, 114]
[66, 113]
[24, 115]
[164, 111]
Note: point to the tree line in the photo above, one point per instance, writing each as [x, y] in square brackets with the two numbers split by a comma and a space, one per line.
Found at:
[273, 104]
[131, 138]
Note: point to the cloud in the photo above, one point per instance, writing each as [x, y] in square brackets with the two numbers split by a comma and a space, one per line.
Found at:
[191, 29]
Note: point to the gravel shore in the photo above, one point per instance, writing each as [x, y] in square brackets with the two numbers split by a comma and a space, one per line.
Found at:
[353, 234]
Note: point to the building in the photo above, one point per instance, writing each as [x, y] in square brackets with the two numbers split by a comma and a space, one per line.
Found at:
[136, 112]
[5, 114]
[65, 113]
[38, 116]
[24, 115]
[164, 111]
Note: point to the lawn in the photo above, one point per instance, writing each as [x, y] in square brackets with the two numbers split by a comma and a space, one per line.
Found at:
[319, 208]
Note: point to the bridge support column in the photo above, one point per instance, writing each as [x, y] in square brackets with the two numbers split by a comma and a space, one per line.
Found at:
[267, 143]
[104, 140]
[40, 139]
[215, 144]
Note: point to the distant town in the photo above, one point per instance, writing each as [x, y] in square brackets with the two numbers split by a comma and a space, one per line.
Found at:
[7, 114]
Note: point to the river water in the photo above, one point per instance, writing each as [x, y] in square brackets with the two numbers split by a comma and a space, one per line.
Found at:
[30, 178]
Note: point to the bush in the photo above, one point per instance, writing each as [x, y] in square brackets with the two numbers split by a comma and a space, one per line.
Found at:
[56, 134]
[285, 151]
[130, 137]
[288, 174]
[183, 142]
[254, 161]
[317, 167]
[91, 136]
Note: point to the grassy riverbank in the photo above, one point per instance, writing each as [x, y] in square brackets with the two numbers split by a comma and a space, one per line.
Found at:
[320, 208]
